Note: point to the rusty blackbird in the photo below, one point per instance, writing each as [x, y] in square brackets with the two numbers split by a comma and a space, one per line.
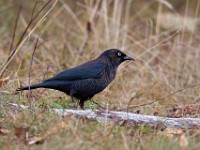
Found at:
[86, 80]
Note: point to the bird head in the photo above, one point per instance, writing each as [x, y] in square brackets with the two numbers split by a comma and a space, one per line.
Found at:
[115, 56]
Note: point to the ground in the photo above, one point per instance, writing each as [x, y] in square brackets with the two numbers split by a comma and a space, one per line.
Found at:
[163, 36]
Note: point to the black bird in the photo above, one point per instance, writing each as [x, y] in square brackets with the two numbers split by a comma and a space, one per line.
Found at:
[86, 80]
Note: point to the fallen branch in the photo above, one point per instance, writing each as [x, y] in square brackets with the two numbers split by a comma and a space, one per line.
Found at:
[130, 118]
[105, 116]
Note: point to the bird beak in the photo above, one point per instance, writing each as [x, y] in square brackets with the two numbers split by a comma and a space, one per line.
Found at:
[128, 58]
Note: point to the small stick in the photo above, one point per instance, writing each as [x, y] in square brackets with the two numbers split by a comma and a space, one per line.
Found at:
[15, 28]
[22, 39]
[98, 104]
[29, 75]
[163, 98]
[35, 8]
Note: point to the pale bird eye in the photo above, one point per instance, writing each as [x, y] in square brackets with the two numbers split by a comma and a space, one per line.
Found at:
[119, 54]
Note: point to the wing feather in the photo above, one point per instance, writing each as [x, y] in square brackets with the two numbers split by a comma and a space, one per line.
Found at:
[90, 69]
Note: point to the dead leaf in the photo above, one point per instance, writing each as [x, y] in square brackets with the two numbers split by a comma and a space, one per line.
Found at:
[4, 81]
[171, 132]
[195, 133]
[4, 131]
[60, 126]
[21, 132]
[198, 92]
[6, 93]
[183, 141]
[184, 111]
[36, 140]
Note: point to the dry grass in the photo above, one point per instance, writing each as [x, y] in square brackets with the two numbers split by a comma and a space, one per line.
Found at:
[168, 59]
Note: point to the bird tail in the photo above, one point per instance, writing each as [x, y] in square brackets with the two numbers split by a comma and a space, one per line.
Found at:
[34, 86]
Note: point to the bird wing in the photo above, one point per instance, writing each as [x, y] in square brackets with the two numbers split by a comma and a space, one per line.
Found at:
[88, 70]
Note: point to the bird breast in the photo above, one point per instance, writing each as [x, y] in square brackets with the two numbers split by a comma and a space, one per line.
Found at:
[107, 76]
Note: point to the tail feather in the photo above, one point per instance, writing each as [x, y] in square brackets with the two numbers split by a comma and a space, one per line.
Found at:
[56, 85]
[34, 86]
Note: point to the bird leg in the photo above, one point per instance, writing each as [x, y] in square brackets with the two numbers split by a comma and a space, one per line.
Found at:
[91, 104]
[75, 106]
[81, 104]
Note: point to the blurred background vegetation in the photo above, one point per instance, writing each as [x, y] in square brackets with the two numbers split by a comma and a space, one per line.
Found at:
[162, 35]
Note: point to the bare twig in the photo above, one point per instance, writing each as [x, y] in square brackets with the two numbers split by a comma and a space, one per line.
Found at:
[33, 19]
[15, 27]
[22, 39]
[33, 11]
[163, 98]
[138, 95]
[163, 41]
[98, 105]
[29, 75]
